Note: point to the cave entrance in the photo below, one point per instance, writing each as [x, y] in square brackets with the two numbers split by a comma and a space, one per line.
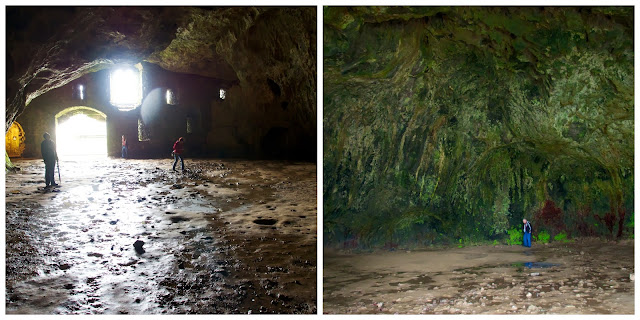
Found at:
[14, 140]
[81, 131]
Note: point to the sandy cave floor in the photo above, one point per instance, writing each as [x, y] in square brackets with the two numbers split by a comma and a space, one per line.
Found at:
[584, 277]
[224, 237]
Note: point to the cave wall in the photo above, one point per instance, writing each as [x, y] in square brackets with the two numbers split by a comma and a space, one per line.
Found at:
[233, 127]
[264, 56]
[40, 117]
[454, 123]
[166, 123]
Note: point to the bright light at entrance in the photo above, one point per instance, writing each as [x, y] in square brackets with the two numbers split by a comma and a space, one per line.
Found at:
[125, 88]
[81, 135]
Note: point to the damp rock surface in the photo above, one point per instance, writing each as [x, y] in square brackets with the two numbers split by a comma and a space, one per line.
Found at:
[202, 254]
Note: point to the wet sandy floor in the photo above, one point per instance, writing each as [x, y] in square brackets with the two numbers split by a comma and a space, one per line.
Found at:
[584, 277]
[223, 237]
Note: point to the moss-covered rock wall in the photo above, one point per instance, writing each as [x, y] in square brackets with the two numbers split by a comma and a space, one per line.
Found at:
[446, 123]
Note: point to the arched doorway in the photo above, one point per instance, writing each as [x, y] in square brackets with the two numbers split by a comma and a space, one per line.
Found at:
[81, 131]
[14, 140]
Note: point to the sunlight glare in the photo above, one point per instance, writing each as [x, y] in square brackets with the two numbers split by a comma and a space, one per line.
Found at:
[81, 135]
[125, 88]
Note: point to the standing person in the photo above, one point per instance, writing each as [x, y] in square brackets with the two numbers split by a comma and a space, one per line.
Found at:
[125, 149]
[50, 156]
[178, 148]
[526, 240]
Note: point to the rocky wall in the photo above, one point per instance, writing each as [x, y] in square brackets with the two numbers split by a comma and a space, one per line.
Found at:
[264, 56]
[454, 123]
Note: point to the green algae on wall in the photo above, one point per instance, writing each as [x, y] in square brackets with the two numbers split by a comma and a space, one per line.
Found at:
[456, 122]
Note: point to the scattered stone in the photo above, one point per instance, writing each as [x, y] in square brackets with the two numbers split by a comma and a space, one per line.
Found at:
[176, 186]
[268, 222]
[535, 274]
[632, 277]
[529, 294]
[138, 246]
[532, 308]
[65, 266]
[95, 254]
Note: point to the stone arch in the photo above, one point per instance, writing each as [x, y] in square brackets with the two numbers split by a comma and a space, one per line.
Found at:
[71, 111]
[81, 131]
[14, 140]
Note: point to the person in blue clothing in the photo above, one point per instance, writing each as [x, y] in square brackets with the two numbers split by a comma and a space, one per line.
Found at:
[526, 240]
[125, 148]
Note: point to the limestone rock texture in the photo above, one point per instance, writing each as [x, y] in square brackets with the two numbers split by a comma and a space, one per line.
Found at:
[446, 124]
[266, 56]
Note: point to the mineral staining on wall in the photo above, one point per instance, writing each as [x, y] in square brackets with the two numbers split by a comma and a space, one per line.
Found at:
[456, 122]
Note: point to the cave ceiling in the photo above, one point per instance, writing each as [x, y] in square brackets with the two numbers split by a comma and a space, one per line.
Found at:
[47, 47]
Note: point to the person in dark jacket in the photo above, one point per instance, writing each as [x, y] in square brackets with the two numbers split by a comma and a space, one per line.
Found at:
[50, 156]
[178, 149]
[526, 240]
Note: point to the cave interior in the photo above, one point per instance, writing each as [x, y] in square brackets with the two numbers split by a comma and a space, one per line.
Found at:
[235, 82]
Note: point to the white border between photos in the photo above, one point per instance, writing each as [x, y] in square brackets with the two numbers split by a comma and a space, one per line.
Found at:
[319, 107]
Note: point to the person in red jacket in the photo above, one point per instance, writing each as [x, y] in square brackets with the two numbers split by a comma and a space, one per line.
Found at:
[178, 149]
